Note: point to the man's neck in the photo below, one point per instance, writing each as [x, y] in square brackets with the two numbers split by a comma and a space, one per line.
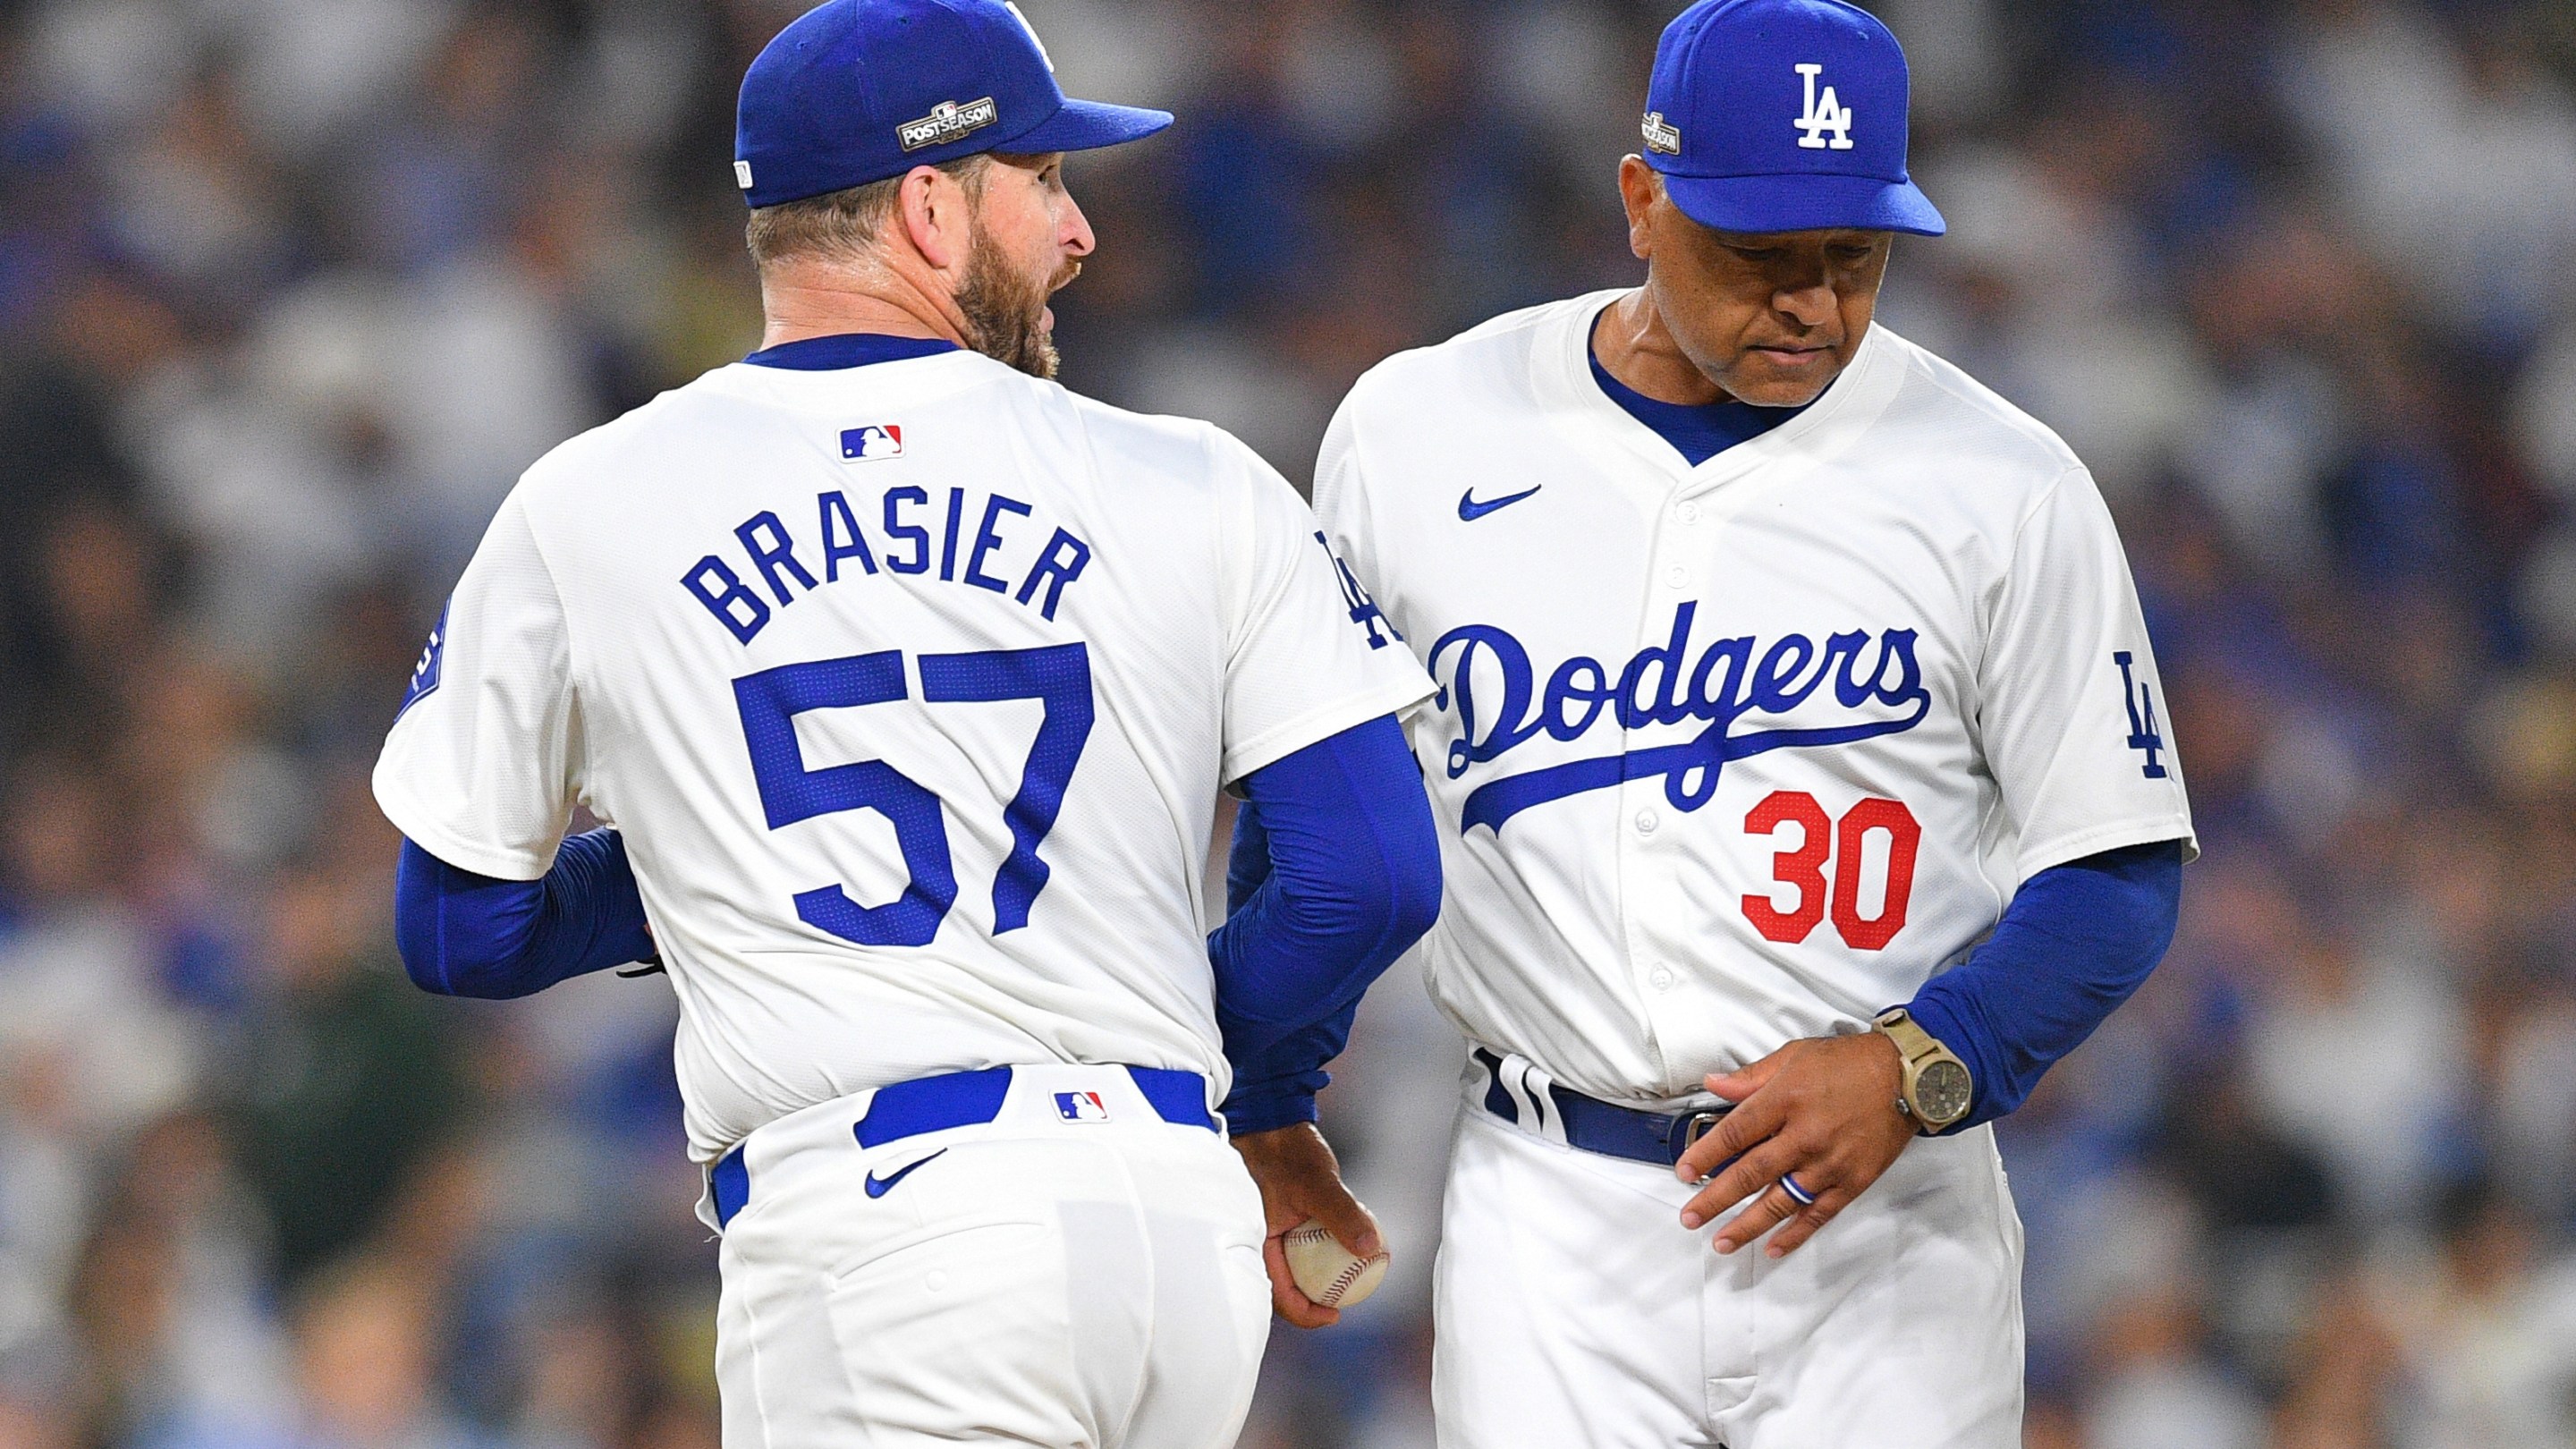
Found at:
[799, 300]
[1634, 346]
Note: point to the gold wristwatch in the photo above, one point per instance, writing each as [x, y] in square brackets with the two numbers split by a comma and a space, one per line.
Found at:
[1934, 1086]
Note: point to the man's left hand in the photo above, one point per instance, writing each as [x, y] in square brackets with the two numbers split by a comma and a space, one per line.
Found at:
[1821, 1108]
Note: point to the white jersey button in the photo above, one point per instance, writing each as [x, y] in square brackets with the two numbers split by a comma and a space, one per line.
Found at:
[1689, 512]
[1647, 820]
[1661, 978]
[1677, 576]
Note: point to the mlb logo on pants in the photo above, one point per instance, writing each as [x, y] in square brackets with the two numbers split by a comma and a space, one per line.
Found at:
[875, 441]
[1081, 1107]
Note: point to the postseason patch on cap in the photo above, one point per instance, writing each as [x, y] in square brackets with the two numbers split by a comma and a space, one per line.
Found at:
[946, 122]
[1660, 136]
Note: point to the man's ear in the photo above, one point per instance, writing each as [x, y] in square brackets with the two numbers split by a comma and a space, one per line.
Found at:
[937, 217]
[1639, 191]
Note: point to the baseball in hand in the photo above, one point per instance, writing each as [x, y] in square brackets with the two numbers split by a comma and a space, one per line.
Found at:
[1330, 1274]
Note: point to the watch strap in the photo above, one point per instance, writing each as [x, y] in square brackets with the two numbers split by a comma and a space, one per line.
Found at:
[1913, 1043]
[1914, 1048]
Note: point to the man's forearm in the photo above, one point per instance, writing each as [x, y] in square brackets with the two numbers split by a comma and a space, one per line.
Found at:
[463, 934]
[2076, 941]
[1336, 871]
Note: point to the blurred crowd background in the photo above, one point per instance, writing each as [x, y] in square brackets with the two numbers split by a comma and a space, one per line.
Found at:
[290, 290]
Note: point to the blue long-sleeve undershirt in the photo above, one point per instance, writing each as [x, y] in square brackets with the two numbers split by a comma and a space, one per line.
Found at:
[463, 934]
[2076, 941]
[1334, 871]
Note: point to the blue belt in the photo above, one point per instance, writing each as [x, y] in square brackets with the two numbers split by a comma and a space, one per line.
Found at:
[962, 1099]
[1603, 1127]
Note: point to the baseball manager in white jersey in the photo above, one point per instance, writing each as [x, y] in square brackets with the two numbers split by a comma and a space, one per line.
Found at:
[907, 682]
[1801, 783]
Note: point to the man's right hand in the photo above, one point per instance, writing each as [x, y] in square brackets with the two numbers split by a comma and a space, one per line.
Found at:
[1301, 1181]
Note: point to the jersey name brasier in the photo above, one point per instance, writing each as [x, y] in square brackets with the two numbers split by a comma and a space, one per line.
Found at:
[915, 755]
[973, 540]
[1877, 689]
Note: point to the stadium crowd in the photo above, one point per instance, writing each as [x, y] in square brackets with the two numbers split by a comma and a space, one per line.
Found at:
[290, 290]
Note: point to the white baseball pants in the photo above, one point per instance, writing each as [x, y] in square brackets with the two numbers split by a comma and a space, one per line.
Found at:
[1573, 1311]
[1090, 1284]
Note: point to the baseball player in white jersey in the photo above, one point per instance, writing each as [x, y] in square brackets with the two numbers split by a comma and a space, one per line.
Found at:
[1800, 779]
[908, 681]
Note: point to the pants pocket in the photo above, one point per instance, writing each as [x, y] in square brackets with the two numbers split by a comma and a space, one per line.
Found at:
[963, 1335]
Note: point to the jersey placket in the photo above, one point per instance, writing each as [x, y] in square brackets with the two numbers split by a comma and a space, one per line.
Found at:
[1658, 841]
[1651, 830]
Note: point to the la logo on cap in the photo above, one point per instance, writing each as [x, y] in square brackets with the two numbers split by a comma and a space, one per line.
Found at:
[1825, 113]
[1033, 34]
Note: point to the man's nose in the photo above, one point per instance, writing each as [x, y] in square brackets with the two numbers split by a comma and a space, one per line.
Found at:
[1074, 234]
[1811, 304]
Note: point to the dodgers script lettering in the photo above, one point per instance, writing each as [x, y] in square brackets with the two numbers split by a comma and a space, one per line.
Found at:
[1730, 681]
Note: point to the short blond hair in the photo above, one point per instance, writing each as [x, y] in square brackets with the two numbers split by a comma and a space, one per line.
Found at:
[842, 225]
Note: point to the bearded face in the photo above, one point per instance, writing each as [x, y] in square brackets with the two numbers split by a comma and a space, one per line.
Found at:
[1005, 305]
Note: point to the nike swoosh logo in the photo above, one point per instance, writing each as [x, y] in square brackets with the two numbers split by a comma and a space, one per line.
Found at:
[1469, 510]
[880, 1186]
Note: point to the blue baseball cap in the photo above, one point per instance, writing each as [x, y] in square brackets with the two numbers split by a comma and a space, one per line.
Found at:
[1784, 115]
[861, 90]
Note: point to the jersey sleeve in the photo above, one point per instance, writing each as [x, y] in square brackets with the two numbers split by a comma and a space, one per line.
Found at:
[1341, 502]
[481, 766]
[1308, 654]
[2072, 711]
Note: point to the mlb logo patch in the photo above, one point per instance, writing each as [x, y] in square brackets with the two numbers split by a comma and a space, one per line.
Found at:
[870, 443]
[1081, 1107]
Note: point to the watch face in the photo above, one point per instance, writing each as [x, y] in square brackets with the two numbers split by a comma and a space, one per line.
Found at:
[1941, 1092]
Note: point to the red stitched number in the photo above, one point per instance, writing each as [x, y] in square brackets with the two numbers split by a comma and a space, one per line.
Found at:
[1804, 868]
[1903, 837]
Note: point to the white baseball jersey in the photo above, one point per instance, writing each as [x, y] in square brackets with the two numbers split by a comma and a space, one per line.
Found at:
[1733, 754]
[911, 687]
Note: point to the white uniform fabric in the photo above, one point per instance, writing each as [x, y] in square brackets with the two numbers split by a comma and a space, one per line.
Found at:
[911, 687]
[1885, 663]
[1573, 1309]
[1038, 1280]
[1724, 756]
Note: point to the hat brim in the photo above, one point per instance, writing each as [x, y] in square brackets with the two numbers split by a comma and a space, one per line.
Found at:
[1087, 126]
[1804, 201]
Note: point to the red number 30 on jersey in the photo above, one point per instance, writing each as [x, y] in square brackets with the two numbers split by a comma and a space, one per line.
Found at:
[1846, 846]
